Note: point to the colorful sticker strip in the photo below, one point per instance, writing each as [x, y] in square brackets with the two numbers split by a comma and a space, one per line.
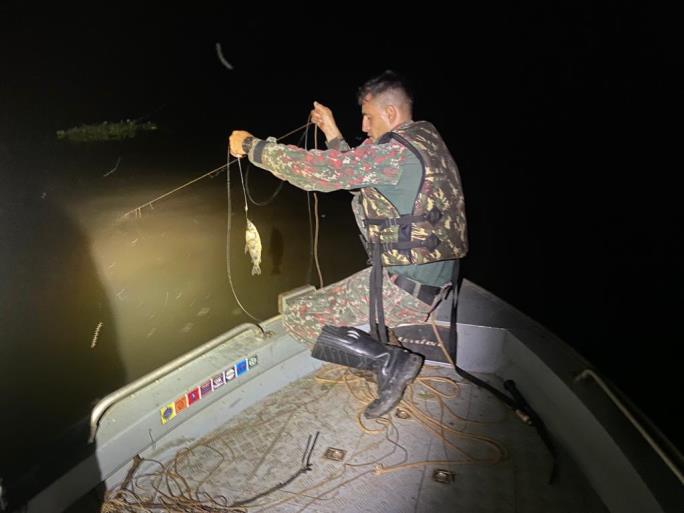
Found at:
[176, 407]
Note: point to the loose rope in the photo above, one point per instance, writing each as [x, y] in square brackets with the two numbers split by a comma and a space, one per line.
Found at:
[359, 389]
[177, 485]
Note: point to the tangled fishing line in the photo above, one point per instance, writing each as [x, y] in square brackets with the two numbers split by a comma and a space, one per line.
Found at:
[313, 231]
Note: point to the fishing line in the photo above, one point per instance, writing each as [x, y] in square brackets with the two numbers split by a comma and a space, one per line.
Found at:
[315, 246]
[244, 190]
[228, 225]
[280, 185]
[313, 231]
[311, 238]
[138, 210]
[230, 277]
[308, 214]
[271, 197]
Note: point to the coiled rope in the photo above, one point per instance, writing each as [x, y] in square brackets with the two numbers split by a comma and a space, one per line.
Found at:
[178, 485]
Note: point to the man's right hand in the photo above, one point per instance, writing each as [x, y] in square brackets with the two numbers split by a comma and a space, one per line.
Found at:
[235, 142]
[323, 118]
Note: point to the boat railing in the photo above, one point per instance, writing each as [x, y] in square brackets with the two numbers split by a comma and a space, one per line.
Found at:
[107, 402]
[586, 373]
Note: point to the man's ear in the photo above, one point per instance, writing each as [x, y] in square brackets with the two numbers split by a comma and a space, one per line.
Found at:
[392, 114]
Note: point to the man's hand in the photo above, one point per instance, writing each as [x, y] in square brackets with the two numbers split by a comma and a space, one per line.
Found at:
[323, 118]
[235, 142]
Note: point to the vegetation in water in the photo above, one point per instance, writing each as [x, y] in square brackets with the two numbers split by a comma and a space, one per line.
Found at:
[105, 131]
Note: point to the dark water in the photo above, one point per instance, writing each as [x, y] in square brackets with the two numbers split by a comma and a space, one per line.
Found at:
[157, 283]
[554, 118]
[153, 286]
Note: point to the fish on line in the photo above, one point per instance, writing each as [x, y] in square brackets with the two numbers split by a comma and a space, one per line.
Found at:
[253, 246]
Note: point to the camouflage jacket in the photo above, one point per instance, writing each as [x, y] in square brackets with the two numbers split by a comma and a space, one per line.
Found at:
[435, 230]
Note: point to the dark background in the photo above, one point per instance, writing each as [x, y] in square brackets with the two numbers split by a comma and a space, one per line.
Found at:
[557, 116]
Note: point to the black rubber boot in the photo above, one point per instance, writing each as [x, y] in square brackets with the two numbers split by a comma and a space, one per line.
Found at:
[394, 367]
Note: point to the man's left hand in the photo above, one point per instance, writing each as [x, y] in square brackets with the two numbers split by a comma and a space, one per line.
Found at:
[235, 142]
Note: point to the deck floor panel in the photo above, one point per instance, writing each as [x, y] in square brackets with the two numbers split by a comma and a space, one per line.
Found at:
[499, 464]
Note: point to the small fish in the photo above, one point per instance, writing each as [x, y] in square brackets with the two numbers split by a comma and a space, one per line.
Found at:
[253, 246]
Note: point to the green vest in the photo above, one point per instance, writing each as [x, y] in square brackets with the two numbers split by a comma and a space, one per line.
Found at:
[436, 228]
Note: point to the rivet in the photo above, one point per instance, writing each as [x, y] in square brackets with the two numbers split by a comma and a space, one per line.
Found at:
[335, 454]
[402, 413]
[443, 476]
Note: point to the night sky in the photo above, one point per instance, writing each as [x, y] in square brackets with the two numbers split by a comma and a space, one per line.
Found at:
[557, 117]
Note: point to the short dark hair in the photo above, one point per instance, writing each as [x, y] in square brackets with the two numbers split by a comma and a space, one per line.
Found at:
[388, 80]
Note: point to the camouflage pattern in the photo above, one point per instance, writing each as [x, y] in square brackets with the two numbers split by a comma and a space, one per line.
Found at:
[333, 169]
[345, 303]
[338, 144]
[441, 188]
[357, 210]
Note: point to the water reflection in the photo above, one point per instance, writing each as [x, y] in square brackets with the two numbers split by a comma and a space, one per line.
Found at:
[165, 272]
[91, 302]
[53, 367]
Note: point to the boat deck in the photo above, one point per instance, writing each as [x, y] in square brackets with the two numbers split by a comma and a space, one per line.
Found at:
[250, 422]
[485, 456]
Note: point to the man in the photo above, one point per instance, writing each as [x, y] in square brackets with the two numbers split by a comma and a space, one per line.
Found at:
[410, 208]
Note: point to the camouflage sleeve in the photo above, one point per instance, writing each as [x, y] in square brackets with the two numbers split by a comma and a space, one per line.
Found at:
[330, 170]
[338, 143]
[358, 213]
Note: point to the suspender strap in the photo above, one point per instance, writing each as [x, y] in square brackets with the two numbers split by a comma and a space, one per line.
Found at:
[376, 311]
[517, 402]
[455, 290]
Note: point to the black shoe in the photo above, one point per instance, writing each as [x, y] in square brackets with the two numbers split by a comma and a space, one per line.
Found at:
[393, 378]
[394, 367]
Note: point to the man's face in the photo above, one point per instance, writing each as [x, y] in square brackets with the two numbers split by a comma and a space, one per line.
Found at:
[375, 121]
